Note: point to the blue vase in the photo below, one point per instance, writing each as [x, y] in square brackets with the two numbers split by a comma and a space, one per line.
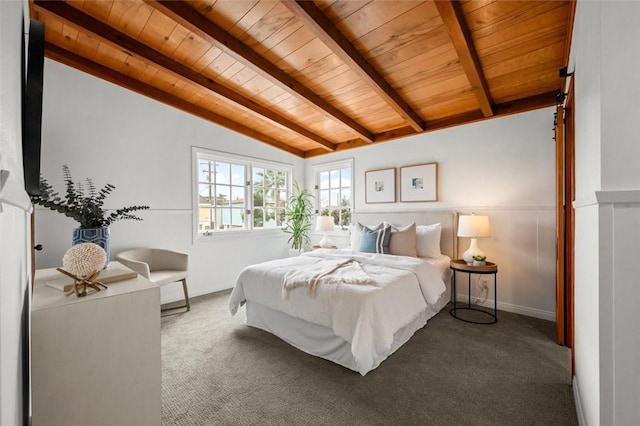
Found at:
[99, 236]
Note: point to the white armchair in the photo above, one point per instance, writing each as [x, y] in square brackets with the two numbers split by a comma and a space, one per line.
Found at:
[159, 266]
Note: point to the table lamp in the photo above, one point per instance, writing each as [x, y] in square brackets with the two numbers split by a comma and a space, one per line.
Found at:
[473, 226]
[325, 224]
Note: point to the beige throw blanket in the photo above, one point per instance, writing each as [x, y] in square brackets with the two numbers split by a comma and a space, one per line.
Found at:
[330, 271]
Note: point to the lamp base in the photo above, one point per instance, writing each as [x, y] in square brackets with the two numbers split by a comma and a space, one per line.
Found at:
[473, 250]
[325, 242]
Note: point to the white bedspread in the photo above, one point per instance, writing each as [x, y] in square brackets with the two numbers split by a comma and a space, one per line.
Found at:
[366, 316]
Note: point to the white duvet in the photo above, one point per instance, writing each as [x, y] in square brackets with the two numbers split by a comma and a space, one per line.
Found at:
[365, 313]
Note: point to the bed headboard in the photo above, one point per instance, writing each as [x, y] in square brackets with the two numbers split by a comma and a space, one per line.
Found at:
[448, 219]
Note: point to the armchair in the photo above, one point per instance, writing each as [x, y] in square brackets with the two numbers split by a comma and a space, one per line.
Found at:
[159, 266]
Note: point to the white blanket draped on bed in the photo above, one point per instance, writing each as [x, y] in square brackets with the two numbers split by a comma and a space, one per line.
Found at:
[366, 316]
[329, 271]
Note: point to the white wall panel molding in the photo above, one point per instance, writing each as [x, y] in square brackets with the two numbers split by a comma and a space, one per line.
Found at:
[502, 306]
[618, 196]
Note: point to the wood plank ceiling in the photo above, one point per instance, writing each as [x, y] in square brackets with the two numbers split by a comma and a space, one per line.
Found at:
[312, 77]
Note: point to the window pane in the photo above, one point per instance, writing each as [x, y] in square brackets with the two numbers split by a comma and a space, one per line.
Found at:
[279, 217]
[204, 169]
[222, 172]
[205, 224]
[282, 198]
[258, 176]
[258, 197]
[324, 180]
[345, 198]
[237, 196]
[258, 218]
[269, 218]
[204, 193]
[222, 195]
[282, 180]
[237, 174]
[335, 197]
[346, 176]
[335, 179]
[237, 218]
[324, 199]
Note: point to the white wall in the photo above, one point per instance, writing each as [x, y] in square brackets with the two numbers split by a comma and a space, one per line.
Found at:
[503, 168]
[586, 60]
[14, 262]
[607, 346]
[142, 147]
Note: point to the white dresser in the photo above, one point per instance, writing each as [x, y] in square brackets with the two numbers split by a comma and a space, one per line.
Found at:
[96, 360]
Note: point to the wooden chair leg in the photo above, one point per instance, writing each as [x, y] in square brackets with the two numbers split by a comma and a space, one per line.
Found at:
[186, 293]
[186, 298]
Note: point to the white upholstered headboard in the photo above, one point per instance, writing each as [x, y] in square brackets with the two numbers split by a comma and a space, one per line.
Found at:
[448, 219]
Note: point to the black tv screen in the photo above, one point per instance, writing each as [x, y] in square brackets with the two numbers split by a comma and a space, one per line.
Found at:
[32, 108]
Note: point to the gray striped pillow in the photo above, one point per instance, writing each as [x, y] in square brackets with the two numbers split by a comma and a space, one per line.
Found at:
[375, 241]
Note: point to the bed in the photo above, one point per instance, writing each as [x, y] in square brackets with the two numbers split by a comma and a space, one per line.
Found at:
[348, 306]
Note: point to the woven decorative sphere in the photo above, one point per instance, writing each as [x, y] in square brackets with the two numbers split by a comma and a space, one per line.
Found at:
[84, 259]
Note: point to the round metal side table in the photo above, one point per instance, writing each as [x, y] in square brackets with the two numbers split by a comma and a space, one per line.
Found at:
[490, 268]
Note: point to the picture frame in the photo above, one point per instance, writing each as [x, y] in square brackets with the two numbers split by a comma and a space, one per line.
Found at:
[419, 183]
[380, 186]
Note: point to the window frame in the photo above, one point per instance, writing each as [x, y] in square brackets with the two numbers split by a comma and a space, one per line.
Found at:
[333, 165]
[249, 163]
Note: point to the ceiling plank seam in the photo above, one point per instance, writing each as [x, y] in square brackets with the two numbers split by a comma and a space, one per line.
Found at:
[189, 18]
[83, 22]
[459, 34]
[323, 28]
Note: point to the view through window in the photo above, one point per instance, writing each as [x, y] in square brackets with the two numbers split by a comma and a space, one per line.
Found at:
[239, 194]
[334, 186]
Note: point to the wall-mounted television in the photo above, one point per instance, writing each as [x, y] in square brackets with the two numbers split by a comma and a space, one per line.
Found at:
[32, 108]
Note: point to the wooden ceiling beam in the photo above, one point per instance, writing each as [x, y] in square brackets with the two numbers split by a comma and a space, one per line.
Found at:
[513, 107]
[86, 23]
[323, 28]
[189, 18]
[100, 71]
[461, 39]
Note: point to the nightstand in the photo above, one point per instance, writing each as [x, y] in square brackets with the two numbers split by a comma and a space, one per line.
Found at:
[317, 247]
[460, 266]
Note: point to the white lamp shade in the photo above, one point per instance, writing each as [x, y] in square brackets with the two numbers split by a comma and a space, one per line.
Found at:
[324, 223]
[474, 226]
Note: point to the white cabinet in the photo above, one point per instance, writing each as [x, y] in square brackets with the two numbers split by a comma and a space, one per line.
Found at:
[96, 360]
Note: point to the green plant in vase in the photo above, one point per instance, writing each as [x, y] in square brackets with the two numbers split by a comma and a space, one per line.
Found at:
[298, 215]
[84, 203]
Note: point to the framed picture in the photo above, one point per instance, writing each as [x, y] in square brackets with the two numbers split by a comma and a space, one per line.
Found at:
[380, 186]
[419, 182]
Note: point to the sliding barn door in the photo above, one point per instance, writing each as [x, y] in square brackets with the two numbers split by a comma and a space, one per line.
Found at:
[565, 195]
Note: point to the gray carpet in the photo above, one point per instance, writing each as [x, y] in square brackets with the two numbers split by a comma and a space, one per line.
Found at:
[217, 371]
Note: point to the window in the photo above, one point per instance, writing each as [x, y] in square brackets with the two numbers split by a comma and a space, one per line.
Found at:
[238, 193]
[334, 189]
[269, 197]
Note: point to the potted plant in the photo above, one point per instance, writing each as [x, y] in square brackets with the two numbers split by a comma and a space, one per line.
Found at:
[298, 214]
[84, 204]
[479, 260]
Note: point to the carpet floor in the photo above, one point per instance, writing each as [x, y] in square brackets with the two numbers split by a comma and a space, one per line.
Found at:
[218, 371]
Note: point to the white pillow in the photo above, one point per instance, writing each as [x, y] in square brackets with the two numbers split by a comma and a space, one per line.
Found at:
[428, 240]
[403, 240]
[355, 232]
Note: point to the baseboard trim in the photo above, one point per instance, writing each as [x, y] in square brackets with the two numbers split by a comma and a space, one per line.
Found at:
[178, 296]
[578, 402]
[509, 307]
